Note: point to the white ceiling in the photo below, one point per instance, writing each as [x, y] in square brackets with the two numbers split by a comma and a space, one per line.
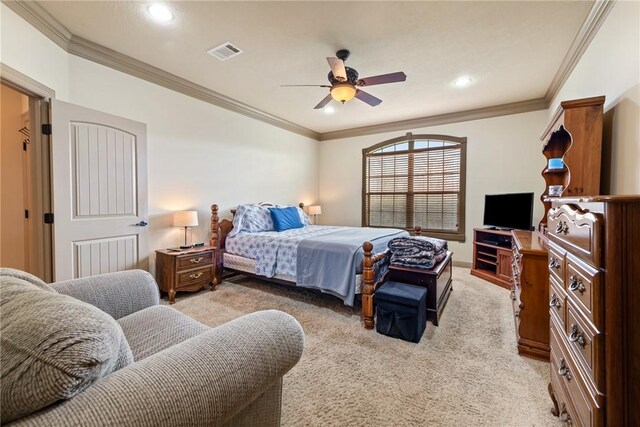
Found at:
[511, 49]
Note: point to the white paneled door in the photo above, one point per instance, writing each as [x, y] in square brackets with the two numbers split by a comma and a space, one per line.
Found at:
[99, 172]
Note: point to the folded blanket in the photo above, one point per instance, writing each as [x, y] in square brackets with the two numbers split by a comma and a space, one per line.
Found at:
[417, 252]
[416, 244]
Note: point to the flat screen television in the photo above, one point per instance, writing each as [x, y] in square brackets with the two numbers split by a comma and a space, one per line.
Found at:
[514, 210]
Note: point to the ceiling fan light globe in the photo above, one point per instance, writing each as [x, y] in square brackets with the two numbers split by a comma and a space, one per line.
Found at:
[343, 92]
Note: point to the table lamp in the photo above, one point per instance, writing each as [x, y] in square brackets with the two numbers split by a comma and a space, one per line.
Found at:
[185, 219]
[315, 210]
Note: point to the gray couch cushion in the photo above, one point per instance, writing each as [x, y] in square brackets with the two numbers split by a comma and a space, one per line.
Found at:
[156, 328]
[53, 346]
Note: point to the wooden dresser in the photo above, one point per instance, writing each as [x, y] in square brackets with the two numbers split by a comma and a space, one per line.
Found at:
[594, 300]
[529, 293]
[187, 270]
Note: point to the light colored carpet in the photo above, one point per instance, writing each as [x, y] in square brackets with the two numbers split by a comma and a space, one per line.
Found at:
[466, 372]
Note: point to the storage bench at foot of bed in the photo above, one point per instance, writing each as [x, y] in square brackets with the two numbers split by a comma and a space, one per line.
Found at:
[437, 281]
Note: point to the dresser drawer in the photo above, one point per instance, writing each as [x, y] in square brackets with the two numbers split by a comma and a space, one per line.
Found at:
[194, 260]
[565, 375]
[586, 343]
[557, 302]
[556, 262]
[577, 231]
[198, 276]
[583, 285]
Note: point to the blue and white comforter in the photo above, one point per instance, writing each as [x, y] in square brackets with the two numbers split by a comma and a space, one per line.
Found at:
[277, 253]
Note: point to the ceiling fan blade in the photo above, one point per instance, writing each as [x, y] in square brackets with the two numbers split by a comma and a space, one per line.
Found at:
[324, 102]
[382, 79]
[337, 68]
[367, 97]
[305, 86]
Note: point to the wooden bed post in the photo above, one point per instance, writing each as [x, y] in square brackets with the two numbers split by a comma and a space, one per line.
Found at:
[215, 243]
[368, 277]
[418, 230]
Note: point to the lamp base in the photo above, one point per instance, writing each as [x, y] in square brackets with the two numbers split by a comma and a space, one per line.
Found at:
[186, 246]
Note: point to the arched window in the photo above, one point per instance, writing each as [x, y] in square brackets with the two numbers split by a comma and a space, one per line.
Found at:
[416, 180]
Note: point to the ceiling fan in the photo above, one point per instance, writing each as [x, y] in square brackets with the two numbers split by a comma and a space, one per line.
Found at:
[345, 83]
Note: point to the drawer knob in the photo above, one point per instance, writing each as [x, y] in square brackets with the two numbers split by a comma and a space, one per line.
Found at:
[577, 336]
[562, 228]
[196, 260]
[564, 369]
[196, 275]
[555, 264]
[555, 302]
[576, 285]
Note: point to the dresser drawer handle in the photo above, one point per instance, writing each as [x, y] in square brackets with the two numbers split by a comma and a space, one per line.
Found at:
[564, 415]
[196, 275]
[196, 260]
[555, 264]
[577, 336]
[562, 228]
[564, 369]
[555, 302]
[576, 285]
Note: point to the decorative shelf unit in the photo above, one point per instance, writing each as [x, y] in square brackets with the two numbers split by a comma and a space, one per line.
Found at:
[492, 256]
[575, 136]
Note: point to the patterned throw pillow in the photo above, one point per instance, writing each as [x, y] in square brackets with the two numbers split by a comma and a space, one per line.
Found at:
[251, 219]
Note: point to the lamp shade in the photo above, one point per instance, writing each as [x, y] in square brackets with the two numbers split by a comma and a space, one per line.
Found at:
[185, 219]
[343, 92]
[315, 210]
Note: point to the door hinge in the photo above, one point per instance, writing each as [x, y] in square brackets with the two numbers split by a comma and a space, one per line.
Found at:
[26, 214]
[48, 218]
[46, 129]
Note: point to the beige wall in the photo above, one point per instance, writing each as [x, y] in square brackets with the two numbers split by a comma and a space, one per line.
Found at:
[503, 156]
[611, 66]
[12, 222]
[198, 154]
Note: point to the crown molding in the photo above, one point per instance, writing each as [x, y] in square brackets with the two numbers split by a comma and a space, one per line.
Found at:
[126, 64]
[38, 17]
[581, 42]
[441, 119]
[42, 20]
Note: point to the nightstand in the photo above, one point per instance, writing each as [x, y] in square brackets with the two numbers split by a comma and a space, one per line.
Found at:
[187, 270]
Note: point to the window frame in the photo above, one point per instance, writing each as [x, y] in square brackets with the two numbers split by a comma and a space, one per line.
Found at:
[460, 235]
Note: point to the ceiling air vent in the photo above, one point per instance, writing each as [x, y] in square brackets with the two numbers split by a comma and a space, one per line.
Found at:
[225, 51]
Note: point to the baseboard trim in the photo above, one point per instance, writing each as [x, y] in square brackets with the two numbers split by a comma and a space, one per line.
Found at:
[462, 264]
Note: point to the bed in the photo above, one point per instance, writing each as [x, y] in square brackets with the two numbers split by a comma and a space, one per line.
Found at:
[342, 261]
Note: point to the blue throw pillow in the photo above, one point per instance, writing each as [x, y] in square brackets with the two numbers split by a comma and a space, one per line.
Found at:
[285, 218]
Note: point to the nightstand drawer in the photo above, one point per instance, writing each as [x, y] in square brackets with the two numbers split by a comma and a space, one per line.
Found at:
[186, 262]
[200, 275]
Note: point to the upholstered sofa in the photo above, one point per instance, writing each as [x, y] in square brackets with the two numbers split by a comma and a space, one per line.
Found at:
[102, 351]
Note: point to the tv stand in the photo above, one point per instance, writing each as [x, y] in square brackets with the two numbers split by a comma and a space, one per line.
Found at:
[492, 256]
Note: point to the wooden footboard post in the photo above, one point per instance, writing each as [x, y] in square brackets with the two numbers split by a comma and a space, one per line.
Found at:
[368, 277]
[418, 230]
[215, 242]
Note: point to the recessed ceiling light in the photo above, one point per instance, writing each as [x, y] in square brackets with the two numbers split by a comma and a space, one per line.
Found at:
[329, 110]
[160, 12]
[462, 81]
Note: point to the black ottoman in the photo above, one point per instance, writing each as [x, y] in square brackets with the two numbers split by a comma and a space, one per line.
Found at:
[401, 310]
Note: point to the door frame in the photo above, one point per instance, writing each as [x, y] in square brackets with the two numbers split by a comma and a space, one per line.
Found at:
[41, 245]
